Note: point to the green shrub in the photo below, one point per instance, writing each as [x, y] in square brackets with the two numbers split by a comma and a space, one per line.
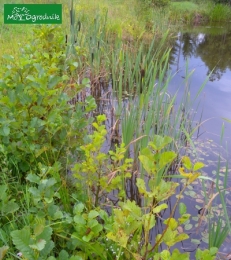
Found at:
[37, 125]
[44, 230]
[220, 12]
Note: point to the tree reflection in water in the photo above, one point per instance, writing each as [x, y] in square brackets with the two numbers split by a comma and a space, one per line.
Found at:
[211, 45]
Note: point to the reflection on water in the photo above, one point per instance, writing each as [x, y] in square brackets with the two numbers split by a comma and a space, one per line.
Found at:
[214, 50]
[207, 52]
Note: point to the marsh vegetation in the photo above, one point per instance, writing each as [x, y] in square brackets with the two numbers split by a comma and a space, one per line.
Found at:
[96, 157]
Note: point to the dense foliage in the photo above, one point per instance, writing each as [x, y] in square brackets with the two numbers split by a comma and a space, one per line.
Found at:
[35, 116]
[61, 196]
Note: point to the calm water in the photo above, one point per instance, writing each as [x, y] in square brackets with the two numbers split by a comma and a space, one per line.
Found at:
[207, 52]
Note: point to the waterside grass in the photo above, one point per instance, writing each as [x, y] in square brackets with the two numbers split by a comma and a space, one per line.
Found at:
[130, 20]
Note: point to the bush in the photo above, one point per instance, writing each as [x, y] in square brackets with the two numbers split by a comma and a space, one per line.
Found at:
[43, 229]
[37, 123]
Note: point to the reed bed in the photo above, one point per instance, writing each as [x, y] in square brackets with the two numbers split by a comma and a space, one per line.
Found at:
[130, 82]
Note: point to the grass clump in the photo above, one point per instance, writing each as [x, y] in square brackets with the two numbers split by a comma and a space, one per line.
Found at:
[195, 13]
[187, 12]
[220, 13]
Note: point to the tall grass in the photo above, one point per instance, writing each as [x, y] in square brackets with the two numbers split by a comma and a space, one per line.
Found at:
[138, 73]
[219, 13]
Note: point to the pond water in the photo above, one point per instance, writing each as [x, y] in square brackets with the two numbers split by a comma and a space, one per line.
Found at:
[205, 51]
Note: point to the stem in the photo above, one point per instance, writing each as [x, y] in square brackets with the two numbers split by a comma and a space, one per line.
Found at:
[118, 257]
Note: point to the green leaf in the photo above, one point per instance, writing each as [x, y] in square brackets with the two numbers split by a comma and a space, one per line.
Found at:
[24, 166]
[91, 105]
[147, 164]
[165, 255]
[141, 186]
[147, 152]
[187, 162]
[38, 229]
[181, 237]
[198, 254]
[12, 96]
[39, 245]
[164, 190]
[63, 255]
[204, 255]
[33, 178]
[166, 158]
[48, 248]
[75, 64]
[31, 78]
[49, 182]
[39, 67]
[160, 142]
[53, 81]
[177, 255]
[45, 234]
[10, 207]
[97, 229]
[58, 215]
[8, 57]
[172, 223]
[40, 151]
[131, 208]
[5, 130]
[21, 239]
[93, 214]
[86, 82]
[88, 237]
[183, 218]
[160, 207]
[148, 221]
[120, 237]
[76, 257]
[213, 250]
[182, 208]
[79, 220]
[78, 208]
[35, 192]
[226, 119]
[3, 190]
[198, 166]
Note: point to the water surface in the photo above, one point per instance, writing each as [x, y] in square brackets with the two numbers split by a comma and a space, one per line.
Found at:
[207, 52]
